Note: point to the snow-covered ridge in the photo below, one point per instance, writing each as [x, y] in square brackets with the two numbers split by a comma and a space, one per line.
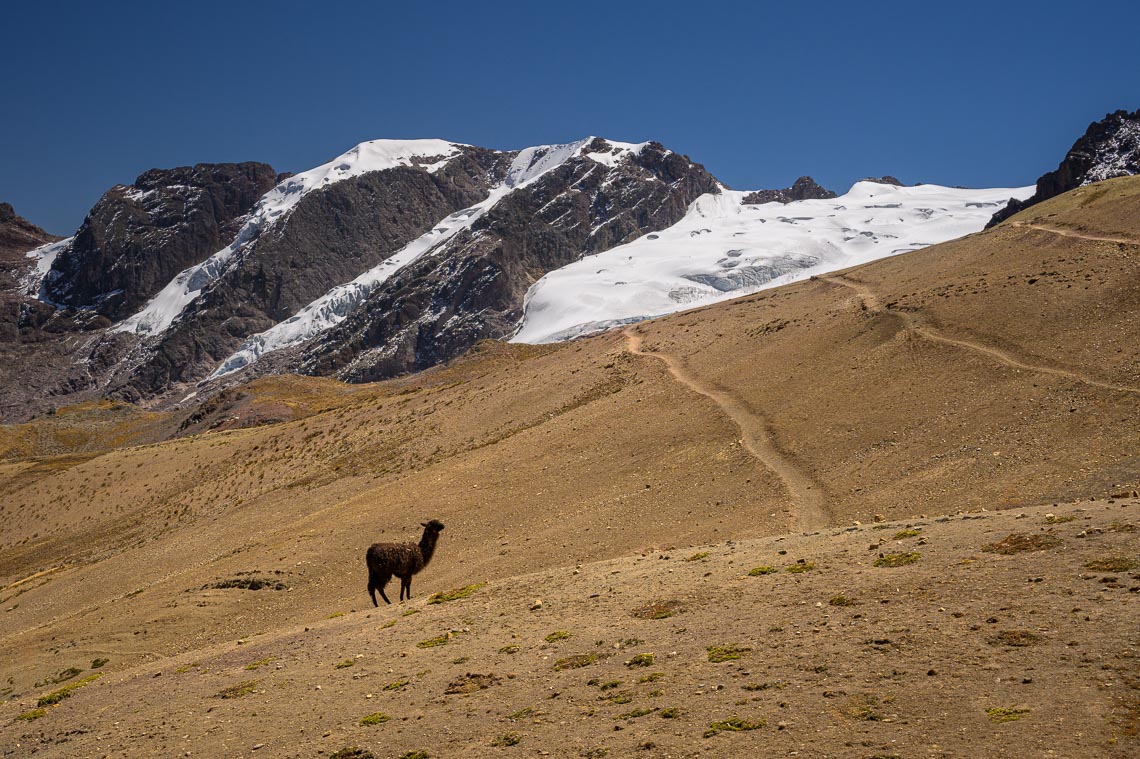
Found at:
[44, 256]
[161, 311]
[723, 249]
[334, 306]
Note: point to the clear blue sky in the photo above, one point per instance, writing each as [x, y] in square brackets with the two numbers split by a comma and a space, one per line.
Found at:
[967, 93]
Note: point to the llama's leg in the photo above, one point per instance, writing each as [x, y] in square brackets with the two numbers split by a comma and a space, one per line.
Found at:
[380, 581]
[406, 587]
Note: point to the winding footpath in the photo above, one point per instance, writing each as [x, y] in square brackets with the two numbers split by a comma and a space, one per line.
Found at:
[808, 503]
[1072, 233]
[914, 323]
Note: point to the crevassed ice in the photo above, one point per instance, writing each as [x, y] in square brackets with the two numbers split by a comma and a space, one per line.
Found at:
[723, 249]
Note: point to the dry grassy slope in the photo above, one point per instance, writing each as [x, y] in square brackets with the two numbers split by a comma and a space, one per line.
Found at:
[902, 388]
[963, 652]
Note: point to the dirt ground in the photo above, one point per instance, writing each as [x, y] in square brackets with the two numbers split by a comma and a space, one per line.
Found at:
[963, 392]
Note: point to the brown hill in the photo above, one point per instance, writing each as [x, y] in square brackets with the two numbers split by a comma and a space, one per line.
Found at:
[994, 372]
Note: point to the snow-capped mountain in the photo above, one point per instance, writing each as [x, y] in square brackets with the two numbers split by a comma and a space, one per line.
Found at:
[401, 254]
[725, 247]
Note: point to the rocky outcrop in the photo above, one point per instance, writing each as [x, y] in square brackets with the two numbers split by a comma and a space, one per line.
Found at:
[137, 237]
[330, 237]
[17, 237]
[886, 179]
[804, 188]
[1109, 148]
[443, 304]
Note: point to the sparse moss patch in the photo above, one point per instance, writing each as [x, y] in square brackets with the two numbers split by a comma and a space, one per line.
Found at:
[898, 559]
[1112, 564]
[1020, 542]
[345, 664]
[376, 718]
[727, 653]
[801, 566]
[237, 691]
[658, 610]
[395, 685]
[454, 595]
[698, 556]
[759, 571]
[507, 739]
[1005, 713]
[65, 692]
[640, 660]
[34, 714]
[575, 662]
[903, 534]
[557, 635]
[733, 725]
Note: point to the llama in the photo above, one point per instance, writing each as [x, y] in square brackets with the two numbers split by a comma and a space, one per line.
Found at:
[400, 559]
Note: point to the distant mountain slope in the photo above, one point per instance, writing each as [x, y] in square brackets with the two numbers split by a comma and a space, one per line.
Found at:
[17, 237]
[1109, 148]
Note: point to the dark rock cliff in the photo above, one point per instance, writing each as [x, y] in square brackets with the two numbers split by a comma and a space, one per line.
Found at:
[1109, 148]
[804, 188]
[443, 304]
[137, 237]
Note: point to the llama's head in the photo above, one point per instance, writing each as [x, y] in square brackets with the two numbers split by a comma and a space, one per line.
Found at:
[433, 526]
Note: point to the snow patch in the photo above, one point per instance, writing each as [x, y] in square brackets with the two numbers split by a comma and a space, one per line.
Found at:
[161, 311]
[44, 256]
[723, 249]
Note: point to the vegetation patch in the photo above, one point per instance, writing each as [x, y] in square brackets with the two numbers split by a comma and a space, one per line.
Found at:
[65, 692]
[621, 697]
[557, 635]
[62, 676]
[1112, 564]
[640, 660]
[247, 583]
[410, 612]
[1020, 542]
[376, 718]
[732, 725]
[507, 739]
[1054, 519]
[801, 566]
[903, 534]
[898, 559]
[575, 662]
[698, 556]
[525, 713]
[778, 685]
[1005, 713]
[1015, 638]
[511, 649]
[414, 755]
[862, 707]
[652, 677]
[840, 600]
[34, 714]
[658, 610]
[719, 654]
[454, 595]
[259, 663]
[472, 683]
[345, 664]
[759, 571]
[396, 685]
[97, 663]
[670, 712]
[243, 688]
[439, 640]
[352, 752]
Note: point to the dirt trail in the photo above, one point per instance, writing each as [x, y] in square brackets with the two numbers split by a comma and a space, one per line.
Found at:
[1072, 233]
[914, 323]
[808, 503]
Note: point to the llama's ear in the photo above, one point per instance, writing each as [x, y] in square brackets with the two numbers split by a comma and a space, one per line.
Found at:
[423, 524]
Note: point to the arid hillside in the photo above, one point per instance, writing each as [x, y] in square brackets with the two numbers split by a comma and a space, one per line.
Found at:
[998, 372]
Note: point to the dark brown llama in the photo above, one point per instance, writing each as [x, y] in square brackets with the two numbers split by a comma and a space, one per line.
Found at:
[400, 559]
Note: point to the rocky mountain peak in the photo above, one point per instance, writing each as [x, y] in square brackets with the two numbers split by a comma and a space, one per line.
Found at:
[18, 235]
[804, 188]
[138, 236]
[1109, 148]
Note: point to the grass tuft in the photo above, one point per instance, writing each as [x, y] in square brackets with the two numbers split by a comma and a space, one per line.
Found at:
[1005, 713]
[376, 718]
[65, 692]
[243, 688]
[733, 725]
[759, 571]
[575, 662]
[454, 595]
[898, 559]
[727, 653]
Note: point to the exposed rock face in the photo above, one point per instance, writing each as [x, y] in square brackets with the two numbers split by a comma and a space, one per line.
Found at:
[1109, 148]
[331, 236]
[18, 235]
[804, 188]
[886, 179]
[443, 304]
[138, 237]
